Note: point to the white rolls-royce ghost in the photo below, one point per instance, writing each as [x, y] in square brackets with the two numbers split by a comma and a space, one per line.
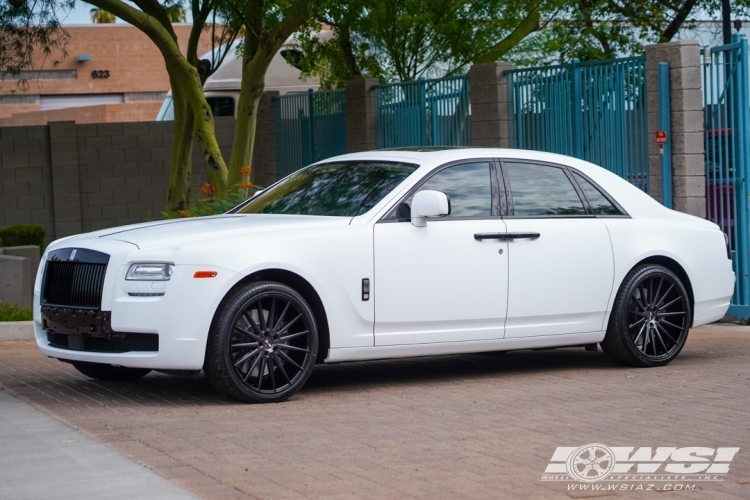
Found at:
[386, 254]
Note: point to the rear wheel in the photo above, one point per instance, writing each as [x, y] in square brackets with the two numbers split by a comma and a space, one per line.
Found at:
[263, 344]
[110, 373]
[650, 318]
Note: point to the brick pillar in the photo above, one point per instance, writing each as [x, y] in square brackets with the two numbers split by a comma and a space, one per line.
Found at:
[490, 113]
[686, 117]
[360, 115]
[66, 184]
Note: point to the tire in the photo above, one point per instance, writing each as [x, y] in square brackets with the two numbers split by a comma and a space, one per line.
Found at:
[650, 319]
[110, 373]
[263, 343]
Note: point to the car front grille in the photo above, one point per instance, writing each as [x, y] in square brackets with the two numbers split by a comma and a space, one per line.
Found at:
[130, 342]
[74, 283]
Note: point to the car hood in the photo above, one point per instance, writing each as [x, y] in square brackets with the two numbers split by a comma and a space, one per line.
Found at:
[184, 231]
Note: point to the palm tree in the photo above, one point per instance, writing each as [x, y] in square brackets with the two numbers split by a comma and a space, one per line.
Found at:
[101, 16]
[176, 13]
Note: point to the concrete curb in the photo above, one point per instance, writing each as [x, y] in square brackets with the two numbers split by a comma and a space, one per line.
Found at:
[16, 330]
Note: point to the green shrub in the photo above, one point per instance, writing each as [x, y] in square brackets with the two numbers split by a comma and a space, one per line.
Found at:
[11, 312]
[23, 234]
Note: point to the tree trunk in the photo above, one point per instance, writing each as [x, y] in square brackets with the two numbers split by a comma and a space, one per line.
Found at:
[247, 118]
[182, 154]
[186, 82]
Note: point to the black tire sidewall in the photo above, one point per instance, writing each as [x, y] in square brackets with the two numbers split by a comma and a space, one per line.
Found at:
[620, 314]
[222, 336]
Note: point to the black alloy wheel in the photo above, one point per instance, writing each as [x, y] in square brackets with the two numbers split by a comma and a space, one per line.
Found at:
[263, 345]
[650, 318]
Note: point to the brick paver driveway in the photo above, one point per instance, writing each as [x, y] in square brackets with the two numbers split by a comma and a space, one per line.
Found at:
[467, 426]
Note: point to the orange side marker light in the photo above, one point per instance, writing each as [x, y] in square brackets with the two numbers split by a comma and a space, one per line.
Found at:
[205, 274]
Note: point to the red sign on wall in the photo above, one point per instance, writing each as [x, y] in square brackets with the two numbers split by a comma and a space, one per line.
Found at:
[661, 136]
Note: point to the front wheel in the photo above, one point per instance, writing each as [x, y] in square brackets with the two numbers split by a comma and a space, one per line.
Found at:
[110, 373]
[650, 318]
[263, 344]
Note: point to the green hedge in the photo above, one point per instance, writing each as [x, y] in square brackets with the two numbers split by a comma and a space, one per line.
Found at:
[11, 312]
[23, 234]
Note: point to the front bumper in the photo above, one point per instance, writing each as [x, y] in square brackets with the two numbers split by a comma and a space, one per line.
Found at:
[181, 317]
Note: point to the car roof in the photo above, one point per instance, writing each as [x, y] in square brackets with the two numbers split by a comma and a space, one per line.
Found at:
[433, 155]
[632, 199]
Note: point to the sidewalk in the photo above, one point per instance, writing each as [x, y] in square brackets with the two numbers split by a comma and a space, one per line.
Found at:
[43, 458]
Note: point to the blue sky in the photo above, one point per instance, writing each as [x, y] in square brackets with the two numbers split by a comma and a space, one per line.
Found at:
[80, 15]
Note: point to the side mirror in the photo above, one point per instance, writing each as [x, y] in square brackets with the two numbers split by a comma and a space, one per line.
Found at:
[429, 204]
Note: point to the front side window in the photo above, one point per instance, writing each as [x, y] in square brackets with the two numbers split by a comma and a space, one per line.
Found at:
[599, 203]
[542, 190]
[468, 186]
[344, 189]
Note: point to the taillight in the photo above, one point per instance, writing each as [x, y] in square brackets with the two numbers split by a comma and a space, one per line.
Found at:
[729, 250]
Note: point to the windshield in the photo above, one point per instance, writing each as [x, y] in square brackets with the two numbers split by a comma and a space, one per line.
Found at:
[345, 189]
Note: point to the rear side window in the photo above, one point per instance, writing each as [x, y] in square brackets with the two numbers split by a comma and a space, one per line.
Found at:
[599, 203]
[542, 190]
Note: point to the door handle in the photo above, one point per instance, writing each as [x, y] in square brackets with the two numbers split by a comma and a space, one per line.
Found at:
[504, 236]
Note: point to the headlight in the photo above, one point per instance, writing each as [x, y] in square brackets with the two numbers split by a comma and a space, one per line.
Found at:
[149, 272]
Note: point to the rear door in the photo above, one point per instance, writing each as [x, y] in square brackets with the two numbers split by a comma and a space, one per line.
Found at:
[561, 265]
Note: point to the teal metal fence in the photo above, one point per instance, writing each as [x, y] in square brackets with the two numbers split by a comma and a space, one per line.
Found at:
[726, 97]
[594, 110]
[309, 127]
[423, 113]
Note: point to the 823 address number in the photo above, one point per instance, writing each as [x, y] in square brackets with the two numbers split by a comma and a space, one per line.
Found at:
[100, 73]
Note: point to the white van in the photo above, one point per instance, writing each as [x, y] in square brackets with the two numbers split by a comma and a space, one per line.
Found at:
[222, 89]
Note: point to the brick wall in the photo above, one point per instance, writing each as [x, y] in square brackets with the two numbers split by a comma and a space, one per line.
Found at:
[103, 113]
[117, 48]
[72, 178]
[9, 109]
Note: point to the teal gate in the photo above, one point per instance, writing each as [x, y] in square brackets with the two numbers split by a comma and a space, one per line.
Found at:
[726, 108]
[593, 110]
[309, 127]
[423, 113]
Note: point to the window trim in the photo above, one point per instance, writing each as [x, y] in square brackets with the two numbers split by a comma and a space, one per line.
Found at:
[581, 195]
[623, 213]
[496, 190]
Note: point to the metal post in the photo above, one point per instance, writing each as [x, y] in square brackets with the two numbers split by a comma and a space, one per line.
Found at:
[741, 127]
[311, 122]
[422, 112]
[575, 109]
[664, 125]
[726, 24]
[280, 131]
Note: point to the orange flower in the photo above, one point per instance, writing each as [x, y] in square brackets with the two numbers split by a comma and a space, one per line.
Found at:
[246, 170]
[247, 185]
[208, 189]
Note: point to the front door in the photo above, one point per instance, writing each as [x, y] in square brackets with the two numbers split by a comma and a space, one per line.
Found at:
[559, 282]
[439, 283]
